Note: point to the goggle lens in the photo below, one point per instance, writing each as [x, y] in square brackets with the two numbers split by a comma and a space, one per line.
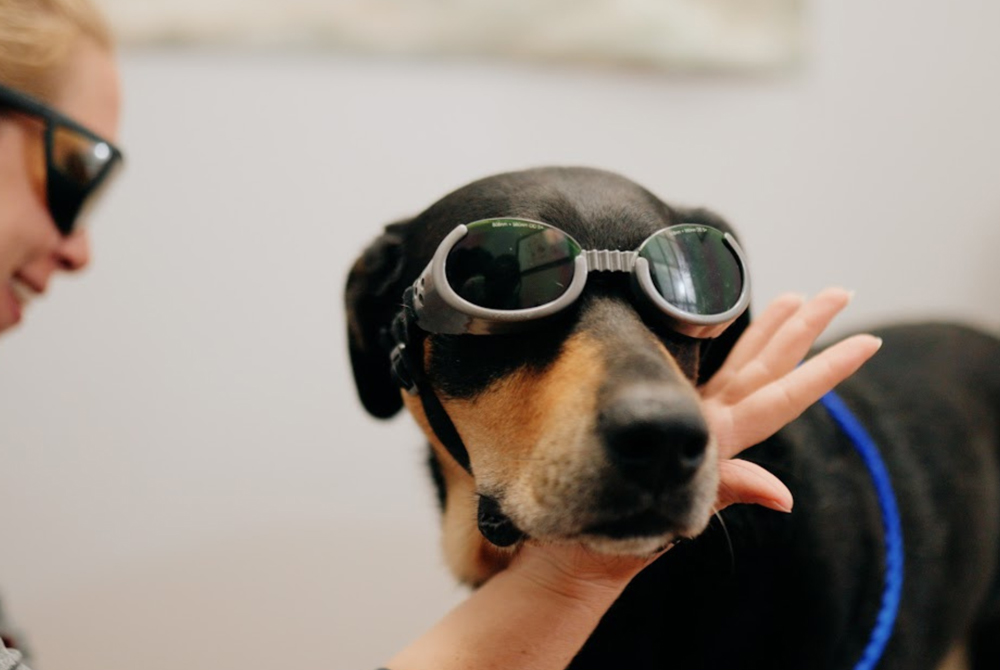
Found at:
[694, 268]
[78, 164]
[510, 264]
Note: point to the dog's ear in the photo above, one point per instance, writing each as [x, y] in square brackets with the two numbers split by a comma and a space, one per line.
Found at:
[373, 297]
[714, 352]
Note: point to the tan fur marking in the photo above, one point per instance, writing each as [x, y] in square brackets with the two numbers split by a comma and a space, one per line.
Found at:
[469, 556]
[531, 440]
[503, 426]
[501, 429]
[958, 659]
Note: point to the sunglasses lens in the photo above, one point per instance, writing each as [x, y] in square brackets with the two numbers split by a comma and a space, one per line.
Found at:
[510, 264]
[77, 165]
[694, 269]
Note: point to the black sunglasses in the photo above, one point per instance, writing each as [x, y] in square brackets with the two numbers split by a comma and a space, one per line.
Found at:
[77, 161]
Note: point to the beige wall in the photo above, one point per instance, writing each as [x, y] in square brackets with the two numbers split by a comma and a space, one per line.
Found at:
[186, 477]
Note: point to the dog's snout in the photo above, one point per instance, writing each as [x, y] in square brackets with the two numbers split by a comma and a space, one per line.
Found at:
[657, 452]
[654, 439]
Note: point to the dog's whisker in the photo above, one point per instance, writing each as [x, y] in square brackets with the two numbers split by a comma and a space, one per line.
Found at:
[729, 540]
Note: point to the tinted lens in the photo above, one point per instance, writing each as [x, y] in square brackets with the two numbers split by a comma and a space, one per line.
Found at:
[509, 264]
[79, 158]
[694, 269]
[77, 165]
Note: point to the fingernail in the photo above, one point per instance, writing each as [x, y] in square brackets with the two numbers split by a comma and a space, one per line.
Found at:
[879, 340]
[850, 295]
[779, 506]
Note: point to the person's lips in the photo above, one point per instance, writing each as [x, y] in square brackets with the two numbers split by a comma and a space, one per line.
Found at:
[20, 292]
[24, 291]
[13, 308]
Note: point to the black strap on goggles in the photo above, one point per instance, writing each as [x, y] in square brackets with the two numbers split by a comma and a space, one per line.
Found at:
[407, 339]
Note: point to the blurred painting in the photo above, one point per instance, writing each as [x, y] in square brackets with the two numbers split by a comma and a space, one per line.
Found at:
[684, 35]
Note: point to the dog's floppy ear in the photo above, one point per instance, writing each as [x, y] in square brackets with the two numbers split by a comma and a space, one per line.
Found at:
[714, 352]
[373, 297]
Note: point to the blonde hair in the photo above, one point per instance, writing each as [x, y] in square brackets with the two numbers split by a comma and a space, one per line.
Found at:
[37, 36]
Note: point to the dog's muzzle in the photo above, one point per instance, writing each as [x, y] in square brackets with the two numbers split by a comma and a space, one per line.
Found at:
[653, 438]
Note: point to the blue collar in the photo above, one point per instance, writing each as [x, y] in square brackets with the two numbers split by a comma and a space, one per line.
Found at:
[891, 526]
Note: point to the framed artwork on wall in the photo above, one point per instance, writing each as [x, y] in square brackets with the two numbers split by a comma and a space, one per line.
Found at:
[677, 35]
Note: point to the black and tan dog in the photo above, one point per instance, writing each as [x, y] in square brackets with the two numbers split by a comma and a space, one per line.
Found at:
[551, 420]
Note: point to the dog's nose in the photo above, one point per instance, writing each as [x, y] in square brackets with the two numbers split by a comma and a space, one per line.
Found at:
[655, 438]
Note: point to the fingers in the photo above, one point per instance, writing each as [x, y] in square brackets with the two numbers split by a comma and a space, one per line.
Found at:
[754, 339]
[766, 411]
[759, 390]
[746, 482]
[788, 345]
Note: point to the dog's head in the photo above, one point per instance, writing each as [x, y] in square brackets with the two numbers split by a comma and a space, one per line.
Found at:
[587, 428]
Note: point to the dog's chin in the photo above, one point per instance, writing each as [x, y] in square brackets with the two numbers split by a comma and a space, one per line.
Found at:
[632, 546]
[644, 533]
[638, 536]
[610, 520]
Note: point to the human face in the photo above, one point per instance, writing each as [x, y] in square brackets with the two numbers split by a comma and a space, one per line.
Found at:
[31, 248]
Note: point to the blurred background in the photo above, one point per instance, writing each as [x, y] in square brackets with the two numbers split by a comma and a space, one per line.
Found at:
[188, 478]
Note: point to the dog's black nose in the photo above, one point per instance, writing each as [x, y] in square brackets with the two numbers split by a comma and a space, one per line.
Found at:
[654, 437]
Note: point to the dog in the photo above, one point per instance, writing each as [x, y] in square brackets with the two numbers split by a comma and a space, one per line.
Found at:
[548, 418]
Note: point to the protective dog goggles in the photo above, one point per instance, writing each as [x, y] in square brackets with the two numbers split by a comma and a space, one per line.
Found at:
[77, 161]
[501, 275]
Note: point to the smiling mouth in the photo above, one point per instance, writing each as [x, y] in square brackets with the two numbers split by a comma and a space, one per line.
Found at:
[23, 292]
[643, 524]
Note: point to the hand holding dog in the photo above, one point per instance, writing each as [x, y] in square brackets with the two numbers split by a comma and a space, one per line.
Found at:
[538, 613]
[761, 388]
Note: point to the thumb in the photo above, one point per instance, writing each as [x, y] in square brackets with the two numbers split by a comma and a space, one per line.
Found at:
[745, 482]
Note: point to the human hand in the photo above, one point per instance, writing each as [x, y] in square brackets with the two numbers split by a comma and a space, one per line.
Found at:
[761, 387]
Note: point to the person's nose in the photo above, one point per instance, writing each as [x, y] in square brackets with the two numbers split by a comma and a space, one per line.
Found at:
[73, 252]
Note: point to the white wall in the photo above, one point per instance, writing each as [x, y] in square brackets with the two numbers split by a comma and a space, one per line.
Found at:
[187, 478]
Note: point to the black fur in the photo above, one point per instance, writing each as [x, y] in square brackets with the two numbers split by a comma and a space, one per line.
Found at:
[373, 296]
[601, 210]
[764, 589]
